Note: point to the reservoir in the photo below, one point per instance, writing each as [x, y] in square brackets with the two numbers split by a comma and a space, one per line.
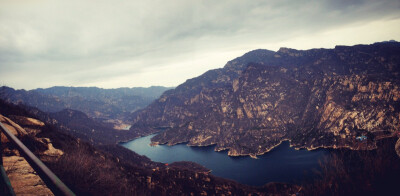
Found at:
[282, 164]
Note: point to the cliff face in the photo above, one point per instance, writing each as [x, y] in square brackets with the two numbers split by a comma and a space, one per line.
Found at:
[314, 98]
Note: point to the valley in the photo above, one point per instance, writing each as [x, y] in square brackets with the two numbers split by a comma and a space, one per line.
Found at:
[200, 98]
[266, 123]
[105, 105]
[99, 116]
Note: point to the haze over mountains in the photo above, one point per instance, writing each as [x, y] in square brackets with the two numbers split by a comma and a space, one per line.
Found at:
[102, 104]
[100, 116]
[314, 98]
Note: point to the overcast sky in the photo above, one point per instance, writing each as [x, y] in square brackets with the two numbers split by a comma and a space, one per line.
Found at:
[124, 43]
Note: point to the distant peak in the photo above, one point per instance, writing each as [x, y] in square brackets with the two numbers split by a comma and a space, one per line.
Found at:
[289, 51]
[258, 52]
[286, 50]
[390, 41]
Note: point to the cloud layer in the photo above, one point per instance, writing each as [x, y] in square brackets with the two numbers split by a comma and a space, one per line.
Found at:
[141, 43]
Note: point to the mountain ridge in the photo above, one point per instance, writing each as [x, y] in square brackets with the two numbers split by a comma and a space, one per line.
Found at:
[263, 97]
[103, 104]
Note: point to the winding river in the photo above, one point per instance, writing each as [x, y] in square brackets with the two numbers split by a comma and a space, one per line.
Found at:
[282, 164]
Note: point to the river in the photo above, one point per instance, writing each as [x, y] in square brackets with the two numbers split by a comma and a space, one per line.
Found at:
[282, 164]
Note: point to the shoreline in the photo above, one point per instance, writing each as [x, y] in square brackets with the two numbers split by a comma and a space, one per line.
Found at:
[254, 155]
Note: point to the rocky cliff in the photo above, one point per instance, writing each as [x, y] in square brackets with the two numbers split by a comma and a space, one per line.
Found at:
[348, 96]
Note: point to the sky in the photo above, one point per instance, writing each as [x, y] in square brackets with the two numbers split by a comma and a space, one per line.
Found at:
[123, 43]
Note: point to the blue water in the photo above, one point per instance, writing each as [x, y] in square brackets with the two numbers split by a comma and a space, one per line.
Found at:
[282, 164]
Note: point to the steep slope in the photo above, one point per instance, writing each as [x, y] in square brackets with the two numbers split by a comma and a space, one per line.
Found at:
[112, 169]
[113, 105]
[80, 125]
[76, 123]
[314, 98]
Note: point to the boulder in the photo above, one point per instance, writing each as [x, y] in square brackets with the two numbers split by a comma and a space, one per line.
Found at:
[12, 127]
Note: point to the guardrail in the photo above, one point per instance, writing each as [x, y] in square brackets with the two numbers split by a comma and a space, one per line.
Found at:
[51, 180]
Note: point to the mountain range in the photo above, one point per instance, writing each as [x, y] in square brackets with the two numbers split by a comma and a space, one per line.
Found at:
[348, 96]
[99, 116]
[110, 105]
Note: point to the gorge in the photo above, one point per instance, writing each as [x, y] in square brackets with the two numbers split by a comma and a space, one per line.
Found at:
[313, 98]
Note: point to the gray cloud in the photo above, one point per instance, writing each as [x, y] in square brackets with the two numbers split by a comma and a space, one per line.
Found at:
[123, 43]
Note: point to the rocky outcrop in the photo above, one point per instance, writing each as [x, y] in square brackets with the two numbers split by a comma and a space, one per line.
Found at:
[348, 96]
[50, 153]
[23, 178]
[12, 127]
[31, 127]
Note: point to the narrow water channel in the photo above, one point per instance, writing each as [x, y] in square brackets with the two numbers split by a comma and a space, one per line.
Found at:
[282, 164]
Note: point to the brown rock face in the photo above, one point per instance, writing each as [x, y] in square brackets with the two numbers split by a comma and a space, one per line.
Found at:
[23, 178]
[31, 127]
[51, 153]
[12, 127]
[314, 98]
